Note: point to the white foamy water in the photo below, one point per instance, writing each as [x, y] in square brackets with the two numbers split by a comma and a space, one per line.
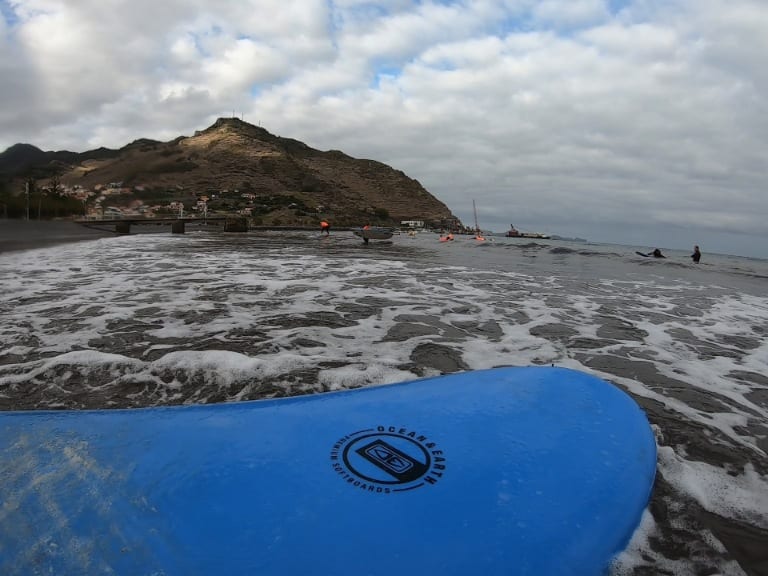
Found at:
[207, 317]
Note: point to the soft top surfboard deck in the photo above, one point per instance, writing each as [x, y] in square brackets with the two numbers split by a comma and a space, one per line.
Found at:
[536, 471]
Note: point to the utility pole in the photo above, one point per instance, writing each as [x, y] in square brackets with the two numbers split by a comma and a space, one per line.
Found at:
[27, 190]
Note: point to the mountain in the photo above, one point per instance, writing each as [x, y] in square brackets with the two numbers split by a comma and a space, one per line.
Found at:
[19, 157]
[23, 158]
[232, 158]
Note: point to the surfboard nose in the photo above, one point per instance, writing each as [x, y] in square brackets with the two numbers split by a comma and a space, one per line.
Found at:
[535, 470]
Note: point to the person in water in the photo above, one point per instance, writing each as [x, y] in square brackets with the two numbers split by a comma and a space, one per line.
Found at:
[325, 227]
[657, 253]
[696, 256]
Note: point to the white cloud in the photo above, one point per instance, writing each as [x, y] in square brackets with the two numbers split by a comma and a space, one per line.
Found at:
[555, 114]
[569, 13]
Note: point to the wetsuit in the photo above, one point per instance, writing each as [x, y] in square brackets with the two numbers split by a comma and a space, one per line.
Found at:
[696, 256]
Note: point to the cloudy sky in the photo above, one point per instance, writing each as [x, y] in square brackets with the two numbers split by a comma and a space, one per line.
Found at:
[639, 122]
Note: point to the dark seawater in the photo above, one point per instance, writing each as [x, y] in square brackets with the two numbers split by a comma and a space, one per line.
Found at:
[147, 320]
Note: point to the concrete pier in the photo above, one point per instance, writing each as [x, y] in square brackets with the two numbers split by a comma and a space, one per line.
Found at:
[236, 225]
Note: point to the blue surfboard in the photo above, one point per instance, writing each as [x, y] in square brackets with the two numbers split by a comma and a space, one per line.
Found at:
[528, 471]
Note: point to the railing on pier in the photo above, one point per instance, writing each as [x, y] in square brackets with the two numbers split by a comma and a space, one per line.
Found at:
[178, 225]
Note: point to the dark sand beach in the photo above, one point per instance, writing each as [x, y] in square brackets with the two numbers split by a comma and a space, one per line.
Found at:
[27, 234]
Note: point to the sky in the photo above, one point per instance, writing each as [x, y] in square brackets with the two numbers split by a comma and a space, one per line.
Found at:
[639, 122]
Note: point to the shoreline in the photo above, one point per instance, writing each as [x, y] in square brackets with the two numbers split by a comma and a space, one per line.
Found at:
[16, 235]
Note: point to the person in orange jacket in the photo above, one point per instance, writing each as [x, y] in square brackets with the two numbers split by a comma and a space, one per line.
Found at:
[325, 227]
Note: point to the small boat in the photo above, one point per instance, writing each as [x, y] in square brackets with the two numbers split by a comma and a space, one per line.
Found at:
[515, 233]
[373, 233]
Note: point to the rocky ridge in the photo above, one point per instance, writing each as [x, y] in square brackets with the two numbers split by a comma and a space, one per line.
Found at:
[233, 157]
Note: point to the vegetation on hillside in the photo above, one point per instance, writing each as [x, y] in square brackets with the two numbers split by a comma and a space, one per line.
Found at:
[38, 204]
[231, 168]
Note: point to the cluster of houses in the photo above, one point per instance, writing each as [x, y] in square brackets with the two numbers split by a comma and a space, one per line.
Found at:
[97, 205]
[101, 202]
[96, 200]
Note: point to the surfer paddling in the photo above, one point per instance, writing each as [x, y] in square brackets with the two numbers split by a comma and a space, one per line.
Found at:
[656, 254]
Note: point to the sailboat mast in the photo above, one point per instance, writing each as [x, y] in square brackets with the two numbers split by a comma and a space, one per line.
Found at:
[478, 235]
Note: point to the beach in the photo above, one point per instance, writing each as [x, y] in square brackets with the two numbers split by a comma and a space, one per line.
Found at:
[208, 317]
[27, 234]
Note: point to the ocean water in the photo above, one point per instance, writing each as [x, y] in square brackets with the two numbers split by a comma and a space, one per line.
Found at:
[158, 319]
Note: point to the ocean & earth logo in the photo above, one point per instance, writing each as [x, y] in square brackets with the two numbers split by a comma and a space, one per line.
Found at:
[387, 459]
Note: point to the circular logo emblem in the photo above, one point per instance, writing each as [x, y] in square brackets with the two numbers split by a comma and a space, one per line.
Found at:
[387, 459]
